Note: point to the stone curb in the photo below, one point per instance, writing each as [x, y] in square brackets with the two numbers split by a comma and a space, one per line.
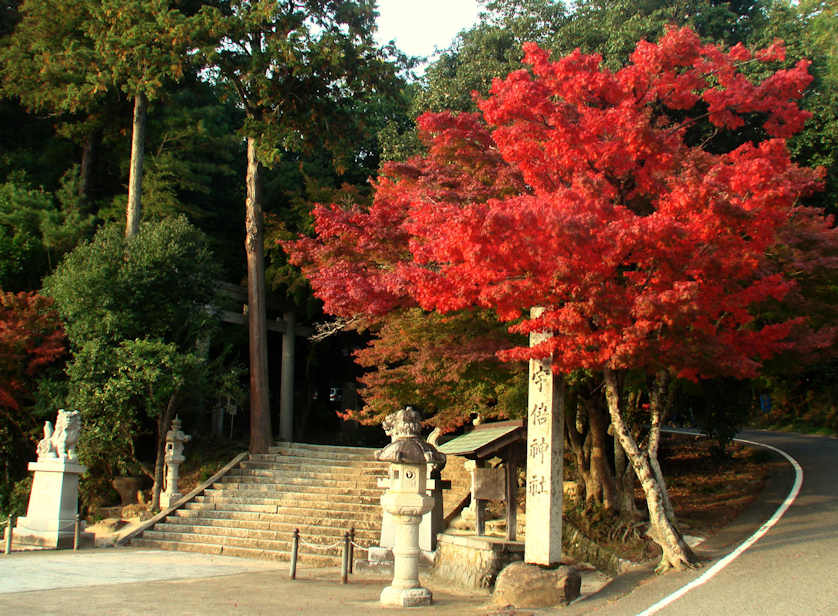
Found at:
[183, 500]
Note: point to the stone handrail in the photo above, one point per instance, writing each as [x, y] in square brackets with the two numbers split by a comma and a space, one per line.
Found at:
[182, 500]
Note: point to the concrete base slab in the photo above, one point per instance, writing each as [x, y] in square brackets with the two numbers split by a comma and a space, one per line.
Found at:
[27, 537]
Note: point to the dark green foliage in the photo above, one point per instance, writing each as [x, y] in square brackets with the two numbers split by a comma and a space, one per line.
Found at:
[122, 388]
[136, 310]
[719, 407]
[14, 498]
[156, 285]
[801, 399]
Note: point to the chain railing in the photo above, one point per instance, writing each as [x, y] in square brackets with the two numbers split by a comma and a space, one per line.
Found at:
[348, 546]
[10, 533]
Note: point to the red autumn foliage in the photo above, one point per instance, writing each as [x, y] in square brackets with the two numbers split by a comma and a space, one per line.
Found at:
[586, 197]
[352, 262]
[31, 337]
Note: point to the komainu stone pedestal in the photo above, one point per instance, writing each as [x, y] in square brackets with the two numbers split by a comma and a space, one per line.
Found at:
[53, 503]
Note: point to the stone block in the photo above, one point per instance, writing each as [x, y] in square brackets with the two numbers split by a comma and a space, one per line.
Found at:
[530, 586]
[472, 562]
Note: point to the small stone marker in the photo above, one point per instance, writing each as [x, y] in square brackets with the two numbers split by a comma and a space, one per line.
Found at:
[545, 459]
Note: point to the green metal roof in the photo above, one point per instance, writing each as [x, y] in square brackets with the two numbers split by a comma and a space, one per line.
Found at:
[479, 438]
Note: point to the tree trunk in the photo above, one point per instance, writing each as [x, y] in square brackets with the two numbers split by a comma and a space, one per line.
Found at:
[624, 475]
[260, 411]
[577, 441]
[286, 394]
[135, 176]
[163, 423]
[676, 553]
[590, 450]
[600, 469]
[88, 154]
[658, 407]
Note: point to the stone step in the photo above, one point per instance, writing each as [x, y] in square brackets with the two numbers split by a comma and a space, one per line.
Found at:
[370, 519]
[290, 499]
[253, 510]
[277, 490]
[285, 533]
[327, 452]
[304, 558]
[307, 508]
[209, 538]
[253, 485]
[363, 529]
[312, 470]
[309, 545]
[290, 480]
[316, 463]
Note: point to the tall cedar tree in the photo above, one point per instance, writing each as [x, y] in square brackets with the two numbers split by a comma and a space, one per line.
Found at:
[65, 57]
[295, 68]
[647, 253]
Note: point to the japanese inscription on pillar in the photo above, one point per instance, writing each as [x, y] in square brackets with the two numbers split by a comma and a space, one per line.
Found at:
[545, 449]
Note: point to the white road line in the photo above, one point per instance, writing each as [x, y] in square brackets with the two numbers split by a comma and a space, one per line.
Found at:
[724, 562]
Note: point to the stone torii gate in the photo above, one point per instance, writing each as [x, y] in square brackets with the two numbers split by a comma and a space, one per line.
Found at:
[287, 326]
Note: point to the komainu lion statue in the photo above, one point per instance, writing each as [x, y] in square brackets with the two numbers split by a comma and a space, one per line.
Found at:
[61, 441]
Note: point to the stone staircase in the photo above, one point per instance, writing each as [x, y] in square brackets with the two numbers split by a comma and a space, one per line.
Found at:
[253, 510]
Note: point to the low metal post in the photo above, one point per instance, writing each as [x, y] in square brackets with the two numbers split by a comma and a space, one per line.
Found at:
[76, 532]
[344, 570]
[295, 548]
[351, 549]
[8, 549]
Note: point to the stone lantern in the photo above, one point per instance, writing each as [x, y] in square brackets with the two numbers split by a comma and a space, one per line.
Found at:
[406, 500]
[175, 439]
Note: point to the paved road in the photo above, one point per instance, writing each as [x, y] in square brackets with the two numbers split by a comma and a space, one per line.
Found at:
[792, 570]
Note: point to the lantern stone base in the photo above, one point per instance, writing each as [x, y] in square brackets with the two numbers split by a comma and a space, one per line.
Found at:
[406, 597]
[166, 500]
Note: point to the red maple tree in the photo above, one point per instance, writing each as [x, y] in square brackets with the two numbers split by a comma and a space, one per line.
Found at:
[31, 337]
[590, 197]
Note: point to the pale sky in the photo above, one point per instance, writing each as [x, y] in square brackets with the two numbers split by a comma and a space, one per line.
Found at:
[419, 25]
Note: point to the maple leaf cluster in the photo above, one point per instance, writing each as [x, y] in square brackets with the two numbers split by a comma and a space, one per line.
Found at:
[578, 189]
[31, 337]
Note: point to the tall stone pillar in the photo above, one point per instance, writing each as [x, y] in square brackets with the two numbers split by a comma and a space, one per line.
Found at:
[545, 459]
[286, 401]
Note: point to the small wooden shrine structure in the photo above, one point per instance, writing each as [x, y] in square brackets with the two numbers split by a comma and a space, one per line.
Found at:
[505, 440]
